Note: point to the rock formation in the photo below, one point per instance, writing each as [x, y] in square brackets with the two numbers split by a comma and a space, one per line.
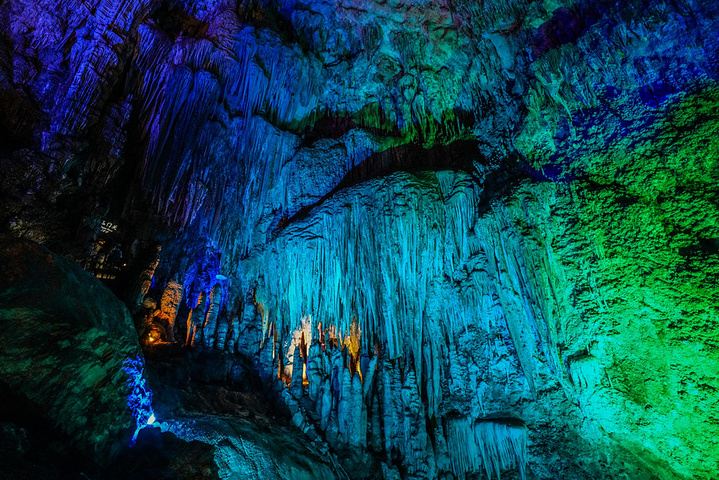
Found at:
[64, 338]
[444, 239]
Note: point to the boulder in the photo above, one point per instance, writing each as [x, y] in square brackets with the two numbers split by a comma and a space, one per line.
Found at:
[63, 340]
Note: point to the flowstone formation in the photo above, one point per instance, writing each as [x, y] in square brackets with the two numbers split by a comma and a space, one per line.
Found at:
[444, 239]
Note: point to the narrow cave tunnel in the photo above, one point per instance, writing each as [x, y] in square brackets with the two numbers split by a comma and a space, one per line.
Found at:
[355, 239]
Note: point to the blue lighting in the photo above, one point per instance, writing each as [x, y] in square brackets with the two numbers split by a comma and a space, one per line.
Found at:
[140, 398]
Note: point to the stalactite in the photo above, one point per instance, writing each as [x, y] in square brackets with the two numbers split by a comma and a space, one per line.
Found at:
[357, 431]
[417, 448]
[324, 404]
[97, 64]
[267, 370]
[431, 356]
[367, 386]
[486, 445]
[243, 339]
[450, 277]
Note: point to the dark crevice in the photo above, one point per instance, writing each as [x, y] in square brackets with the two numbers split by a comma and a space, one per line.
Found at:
[460, 155]
[565, 26]
[175, 21]
[268, 14]
[499, 183]
[701, 248]
[503, 419]
[327, 126]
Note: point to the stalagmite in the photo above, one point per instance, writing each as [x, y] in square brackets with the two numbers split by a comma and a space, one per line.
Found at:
[298, 363]
[317, 370]
[367, 386]
[196, 319]
[345, 407]
[144, 282]
[169, 304]
[213, 310]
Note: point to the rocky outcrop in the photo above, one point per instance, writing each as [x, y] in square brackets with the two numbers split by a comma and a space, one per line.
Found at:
[248, 432]
[64, 338]
[241, 451]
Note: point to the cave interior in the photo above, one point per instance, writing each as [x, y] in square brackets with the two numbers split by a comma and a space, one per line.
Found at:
[359, 239]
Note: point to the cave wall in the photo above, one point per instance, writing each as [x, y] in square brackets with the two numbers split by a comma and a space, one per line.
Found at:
[487, 230]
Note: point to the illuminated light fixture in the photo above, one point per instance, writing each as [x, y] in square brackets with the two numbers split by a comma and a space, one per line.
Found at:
[151, 420]
[220, 277]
